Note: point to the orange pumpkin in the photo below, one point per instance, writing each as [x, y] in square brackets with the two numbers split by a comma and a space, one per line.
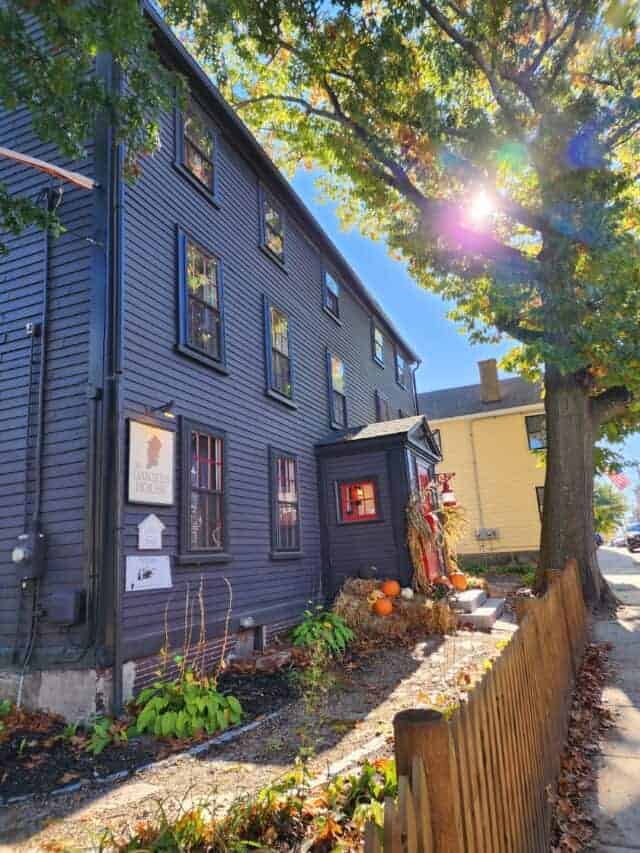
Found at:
[391, 588]
[459, 581]
[382, 607]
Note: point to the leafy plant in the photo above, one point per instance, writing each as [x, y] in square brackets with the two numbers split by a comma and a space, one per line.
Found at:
[324, 628]
[5, 709]
[105, 731]
[184, 707]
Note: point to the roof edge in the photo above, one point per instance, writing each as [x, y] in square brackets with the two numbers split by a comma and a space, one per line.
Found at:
[274, 173]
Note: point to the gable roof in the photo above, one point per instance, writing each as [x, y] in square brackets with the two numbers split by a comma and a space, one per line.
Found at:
[466, 400]
[246, 142]
[415, 429]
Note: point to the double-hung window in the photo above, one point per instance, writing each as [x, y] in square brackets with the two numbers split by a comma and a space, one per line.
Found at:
[201, 298]
[383, 408]
[273, 227]
[198, 144]
[285, 512]
[278, 352]
[377, 344]
[536, 431]
[337, 393]
[402, 371]
[203, 499]
[331, 295]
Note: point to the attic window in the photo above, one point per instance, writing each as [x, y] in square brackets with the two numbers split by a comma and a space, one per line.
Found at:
[198, 147]
[358, 501]
[273, 228]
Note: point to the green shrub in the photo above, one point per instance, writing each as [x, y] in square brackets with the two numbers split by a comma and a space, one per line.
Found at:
[323, 628]
[184, 707]
[103, 732]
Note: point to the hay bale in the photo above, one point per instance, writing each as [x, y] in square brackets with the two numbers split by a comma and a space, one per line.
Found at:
[360, 586]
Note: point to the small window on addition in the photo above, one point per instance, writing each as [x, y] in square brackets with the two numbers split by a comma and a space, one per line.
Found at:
[536, 431]
[357, 501]
[331, 295]
[285, 530]
[198, 147]
[273, 235]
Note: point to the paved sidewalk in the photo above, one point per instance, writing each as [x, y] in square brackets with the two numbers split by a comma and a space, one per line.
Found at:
[618, 789]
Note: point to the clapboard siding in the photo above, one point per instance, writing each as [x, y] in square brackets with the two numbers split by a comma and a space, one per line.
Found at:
[64, 472]
[154, 372]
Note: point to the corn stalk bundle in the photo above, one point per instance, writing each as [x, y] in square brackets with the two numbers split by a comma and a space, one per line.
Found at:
[420, 537]
[454, 526]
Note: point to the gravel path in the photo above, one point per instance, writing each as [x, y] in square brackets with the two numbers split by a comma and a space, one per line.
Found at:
[360, 710]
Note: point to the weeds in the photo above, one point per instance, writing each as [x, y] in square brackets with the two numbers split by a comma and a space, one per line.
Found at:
[324, 628]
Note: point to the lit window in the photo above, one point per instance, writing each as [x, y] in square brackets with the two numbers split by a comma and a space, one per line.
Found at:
[198, 141]
[205, 509]
[279, 368]
[272, 227]
[402, 371]
[331, 295]
[378, 345]
[383, 408]
[201, 314]
[536, 431]
[285, 532]
[337, 396]
[358, 501]
[540, 499]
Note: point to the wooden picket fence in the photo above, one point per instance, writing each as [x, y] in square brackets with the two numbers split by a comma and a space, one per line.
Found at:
[478, 781]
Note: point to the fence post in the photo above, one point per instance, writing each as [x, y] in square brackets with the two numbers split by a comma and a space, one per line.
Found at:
[426, 734]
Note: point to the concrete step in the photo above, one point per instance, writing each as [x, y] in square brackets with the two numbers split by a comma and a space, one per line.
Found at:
[469, 600]
[483, 617]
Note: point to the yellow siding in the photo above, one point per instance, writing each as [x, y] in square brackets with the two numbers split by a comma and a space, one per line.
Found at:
[496, 485]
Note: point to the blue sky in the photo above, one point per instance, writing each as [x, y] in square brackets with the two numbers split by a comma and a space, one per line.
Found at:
[448, 359]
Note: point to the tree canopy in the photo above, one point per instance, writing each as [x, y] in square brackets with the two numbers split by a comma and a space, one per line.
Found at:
[609, 507]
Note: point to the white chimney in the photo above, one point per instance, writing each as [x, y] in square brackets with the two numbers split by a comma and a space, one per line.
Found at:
[489, 382]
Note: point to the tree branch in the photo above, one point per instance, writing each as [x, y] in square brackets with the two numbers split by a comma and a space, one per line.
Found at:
[610, 403]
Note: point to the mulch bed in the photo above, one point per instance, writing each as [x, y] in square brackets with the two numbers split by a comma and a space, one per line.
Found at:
[35, 757]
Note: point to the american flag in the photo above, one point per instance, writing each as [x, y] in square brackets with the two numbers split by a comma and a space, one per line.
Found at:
[619, 480]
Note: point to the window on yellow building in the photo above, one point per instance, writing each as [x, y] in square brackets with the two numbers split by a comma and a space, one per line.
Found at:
[536, 431]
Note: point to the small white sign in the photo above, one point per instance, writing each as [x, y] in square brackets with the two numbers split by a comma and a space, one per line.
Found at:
[148, 573]
[150, 533]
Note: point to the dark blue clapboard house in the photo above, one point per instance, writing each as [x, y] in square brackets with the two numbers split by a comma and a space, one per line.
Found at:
[195, 388]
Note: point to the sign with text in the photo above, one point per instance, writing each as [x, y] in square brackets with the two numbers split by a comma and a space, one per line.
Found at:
[151, 464]
[150, 533]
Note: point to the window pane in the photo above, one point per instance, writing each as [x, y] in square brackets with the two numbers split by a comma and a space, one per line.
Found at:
[337, 374]
[203, 328]
[198, 133]
[281, 373]
[286, 533]
[279, 331]
[378, 344]
[202, 275]
[273, 228]
[339, 409]
[358, 501]
[332, 285]
[200, 166]
[537, 431]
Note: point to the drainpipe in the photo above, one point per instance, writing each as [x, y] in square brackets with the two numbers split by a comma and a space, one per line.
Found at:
[476, 476]
[116, 417]
[414, 370]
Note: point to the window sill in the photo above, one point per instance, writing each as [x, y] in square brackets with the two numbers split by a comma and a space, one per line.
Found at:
[338, 427]
[333, 316]
[212, 197]
[286, 555]
[187, 351]
[275, 258]
[378, 363]
[202, 559]
[378, 520]
[280, 398]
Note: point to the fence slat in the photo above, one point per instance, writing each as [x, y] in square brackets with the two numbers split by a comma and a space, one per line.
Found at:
[407, 816]
[423, 810]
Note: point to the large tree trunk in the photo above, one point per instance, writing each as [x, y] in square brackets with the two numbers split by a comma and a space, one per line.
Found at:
[567, 521]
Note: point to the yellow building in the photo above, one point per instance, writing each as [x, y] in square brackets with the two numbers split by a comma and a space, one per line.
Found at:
[491, 435]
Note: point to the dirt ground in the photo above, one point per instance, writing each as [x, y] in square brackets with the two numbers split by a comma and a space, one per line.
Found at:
[356, 722]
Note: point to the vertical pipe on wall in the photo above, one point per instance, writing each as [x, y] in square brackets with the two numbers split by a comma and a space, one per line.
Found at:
[414, 370]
